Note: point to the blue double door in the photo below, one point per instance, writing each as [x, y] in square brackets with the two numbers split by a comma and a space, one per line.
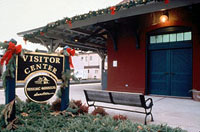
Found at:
[170, 69]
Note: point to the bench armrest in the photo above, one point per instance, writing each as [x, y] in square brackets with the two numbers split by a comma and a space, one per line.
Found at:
[149, 104]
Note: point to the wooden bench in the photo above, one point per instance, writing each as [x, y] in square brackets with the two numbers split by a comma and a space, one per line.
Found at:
[120, 98]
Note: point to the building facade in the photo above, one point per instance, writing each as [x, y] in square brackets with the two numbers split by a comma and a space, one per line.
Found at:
[167, 61]
[87, 66]
[153, 46]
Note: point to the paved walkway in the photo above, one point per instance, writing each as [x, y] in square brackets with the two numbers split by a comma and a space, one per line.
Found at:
[175, 112]
[18, 85]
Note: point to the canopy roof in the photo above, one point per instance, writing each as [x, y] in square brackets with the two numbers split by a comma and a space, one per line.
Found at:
[89, 31]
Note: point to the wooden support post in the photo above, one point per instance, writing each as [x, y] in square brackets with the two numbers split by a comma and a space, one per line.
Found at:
[65, 91]
[10, 94]
[51, 46]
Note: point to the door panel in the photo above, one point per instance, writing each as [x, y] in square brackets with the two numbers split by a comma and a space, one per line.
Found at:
[181, 72]
[170, 61]
[159, 72]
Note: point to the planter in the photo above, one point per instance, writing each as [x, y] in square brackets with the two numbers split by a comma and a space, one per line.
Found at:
[196, 94]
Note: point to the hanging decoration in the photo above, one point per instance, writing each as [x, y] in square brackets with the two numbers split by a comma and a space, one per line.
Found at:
[12, 49]
[69, 22]
[112, 9]
[69, 52]
[166, 1]
[42, 33]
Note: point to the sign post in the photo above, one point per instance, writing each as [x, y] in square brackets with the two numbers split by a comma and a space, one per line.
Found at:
[10, 94]
[65, 91]
[11, 50]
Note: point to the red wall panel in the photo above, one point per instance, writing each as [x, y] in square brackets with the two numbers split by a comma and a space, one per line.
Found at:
[130, 69]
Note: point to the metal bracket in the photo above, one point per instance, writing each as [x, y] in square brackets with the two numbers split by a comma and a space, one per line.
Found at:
[114, 36]
[113, 33]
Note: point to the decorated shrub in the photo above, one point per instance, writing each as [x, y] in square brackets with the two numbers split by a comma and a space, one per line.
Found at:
[33, 117]
[119, 117]
[100, 111]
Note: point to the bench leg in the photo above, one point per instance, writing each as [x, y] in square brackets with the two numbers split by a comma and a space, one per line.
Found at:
[152, 117]
[145, 120]
[148, 113]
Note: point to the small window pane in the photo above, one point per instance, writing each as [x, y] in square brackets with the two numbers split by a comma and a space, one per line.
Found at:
[187, 36]
[152, 39]
[173, 37]
[179, 36]
[159, 38]
[166, 38]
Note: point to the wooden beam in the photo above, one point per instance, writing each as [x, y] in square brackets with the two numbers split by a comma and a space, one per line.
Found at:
[114, 36]
[48, 35]
[77, 32]
[43, 43]
[79, 46]
[56, 46]
[51, 46]
[93, 34]
[86, 44]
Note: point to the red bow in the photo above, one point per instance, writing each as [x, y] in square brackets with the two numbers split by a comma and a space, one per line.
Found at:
[42, 33]
[69, 23]
[71, 52]
[12, 49]
[166, 1]
[112, 10]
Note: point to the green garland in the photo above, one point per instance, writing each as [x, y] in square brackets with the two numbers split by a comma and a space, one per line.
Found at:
[10, 67]
[86, 16]
[10, 70]
[66, 76]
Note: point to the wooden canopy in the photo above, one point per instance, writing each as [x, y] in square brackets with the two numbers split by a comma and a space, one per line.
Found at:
[89, 32]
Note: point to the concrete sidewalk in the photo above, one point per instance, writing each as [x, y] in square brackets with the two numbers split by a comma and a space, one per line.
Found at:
[175, 112]
[18, 85]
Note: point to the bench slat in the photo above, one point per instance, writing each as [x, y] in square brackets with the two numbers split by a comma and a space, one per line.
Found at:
[126, 99]
[100, 96]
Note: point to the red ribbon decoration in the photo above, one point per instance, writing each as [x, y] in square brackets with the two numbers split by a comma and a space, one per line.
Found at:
[42, 33]
[166, 1]
[12, 49]
[69, 23]
[112, 10]
[71, 52]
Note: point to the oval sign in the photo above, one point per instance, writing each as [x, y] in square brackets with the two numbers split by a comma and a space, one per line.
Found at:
[40, 88]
